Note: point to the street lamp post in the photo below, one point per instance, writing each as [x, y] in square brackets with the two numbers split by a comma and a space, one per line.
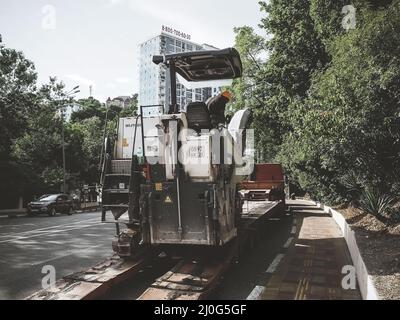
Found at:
[67, 95]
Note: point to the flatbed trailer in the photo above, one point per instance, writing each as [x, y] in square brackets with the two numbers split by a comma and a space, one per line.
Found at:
[266, 183]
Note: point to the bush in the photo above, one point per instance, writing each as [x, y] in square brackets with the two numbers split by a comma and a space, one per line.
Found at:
[374, 202]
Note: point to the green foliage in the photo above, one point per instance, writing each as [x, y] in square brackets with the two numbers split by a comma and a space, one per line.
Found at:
[17, 96]
[294, 53]
[251, 47]
[375, 203]
[250, 92]
[88, 135]
[89, 108]
[351, 118]
[39, 148]
[326, 100]
[30, 132]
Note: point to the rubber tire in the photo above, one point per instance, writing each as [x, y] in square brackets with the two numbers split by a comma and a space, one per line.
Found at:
[52, 212]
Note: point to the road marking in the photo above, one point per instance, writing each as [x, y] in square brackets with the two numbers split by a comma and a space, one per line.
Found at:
[49, 233]
[256, 293]
[294, 230]
[68, 253]
[308, 263]
[302, 289]
[288, 242]
[274, 264]
[70, 224]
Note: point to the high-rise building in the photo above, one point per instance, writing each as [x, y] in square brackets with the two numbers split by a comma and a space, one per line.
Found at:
[154, 81]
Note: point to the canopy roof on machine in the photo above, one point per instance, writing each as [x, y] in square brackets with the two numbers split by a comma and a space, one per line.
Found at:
[205, 65]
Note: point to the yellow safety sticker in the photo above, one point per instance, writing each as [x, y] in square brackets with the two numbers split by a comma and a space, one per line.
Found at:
[168, 199]
[158, 186]
[125, 142]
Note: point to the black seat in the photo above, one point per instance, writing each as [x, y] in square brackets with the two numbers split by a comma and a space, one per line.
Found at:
[198, 116]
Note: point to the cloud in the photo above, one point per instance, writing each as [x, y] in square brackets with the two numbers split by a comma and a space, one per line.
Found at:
[179, 15]
[162, 11]
[123, 79]
[110, 85]
[81, 80]
[112, 3]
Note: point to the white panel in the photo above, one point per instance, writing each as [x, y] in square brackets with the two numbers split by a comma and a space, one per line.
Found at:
[126, 132]
[196, 155]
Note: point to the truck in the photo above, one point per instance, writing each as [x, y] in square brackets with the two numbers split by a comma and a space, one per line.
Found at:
[159, 176]
[267, 182]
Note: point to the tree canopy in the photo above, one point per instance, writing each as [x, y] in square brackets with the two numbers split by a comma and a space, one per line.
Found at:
[30, 132]
[326, 98]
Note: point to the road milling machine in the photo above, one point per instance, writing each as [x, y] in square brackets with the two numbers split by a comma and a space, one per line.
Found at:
[173, 175]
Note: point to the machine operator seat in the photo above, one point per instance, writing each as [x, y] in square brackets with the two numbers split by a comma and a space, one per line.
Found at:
[198, 116]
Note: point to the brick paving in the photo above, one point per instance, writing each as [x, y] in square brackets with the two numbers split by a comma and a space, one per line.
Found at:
[312, 266]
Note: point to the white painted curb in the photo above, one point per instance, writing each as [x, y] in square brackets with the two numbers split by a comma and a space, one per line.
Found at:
[367, 288]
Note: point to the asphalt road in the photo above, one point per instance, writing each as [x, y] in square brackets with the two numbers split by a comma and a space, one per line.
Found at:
[249, 271]
[68, 243]
[71, 243]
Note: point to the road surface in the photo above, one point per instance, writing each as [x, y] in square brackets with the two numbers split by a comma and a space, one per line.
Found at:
[69, 243]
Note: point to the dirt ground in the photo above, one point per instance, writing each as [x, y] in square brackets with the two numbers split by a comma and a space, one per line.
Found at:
[379, 243]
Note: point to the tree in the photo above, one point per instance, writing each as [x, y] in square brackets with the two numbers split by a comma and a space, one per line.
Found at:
[250, 91]
[89, 108]
[39, 148]
[272, 88]
[17, 100]
[17, 96]
[88, 135]
[31, 160]
[296, 52]
[346, 136]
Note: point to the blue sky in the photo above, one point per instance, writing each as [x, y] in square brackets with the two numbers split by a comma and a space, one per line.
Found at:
[95, 42]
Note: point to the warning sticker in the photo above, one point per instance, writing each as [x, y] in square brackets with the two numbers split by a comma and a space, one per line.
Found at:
[167, 199]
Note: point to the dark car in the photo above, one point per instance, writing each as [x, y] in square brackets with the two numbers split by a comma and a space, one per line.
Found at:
[51, 204]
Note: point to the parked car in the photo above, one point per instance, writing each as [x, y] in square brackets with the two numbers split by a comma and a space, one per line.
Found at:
[51, 204]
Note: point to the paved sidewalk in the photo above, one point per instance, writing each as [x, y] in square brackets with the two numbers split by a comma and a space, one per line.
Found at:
[311, 267]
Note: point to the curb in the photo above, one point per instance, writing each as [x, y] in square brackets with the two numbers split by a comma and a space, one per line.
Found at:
[367, 288]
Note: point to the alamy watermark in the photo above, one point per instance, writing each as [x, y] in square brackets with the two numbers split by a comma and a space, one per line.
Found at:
[349, 20]
[49, 280]
[349, 281]
[209, 147]
[49, 19]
